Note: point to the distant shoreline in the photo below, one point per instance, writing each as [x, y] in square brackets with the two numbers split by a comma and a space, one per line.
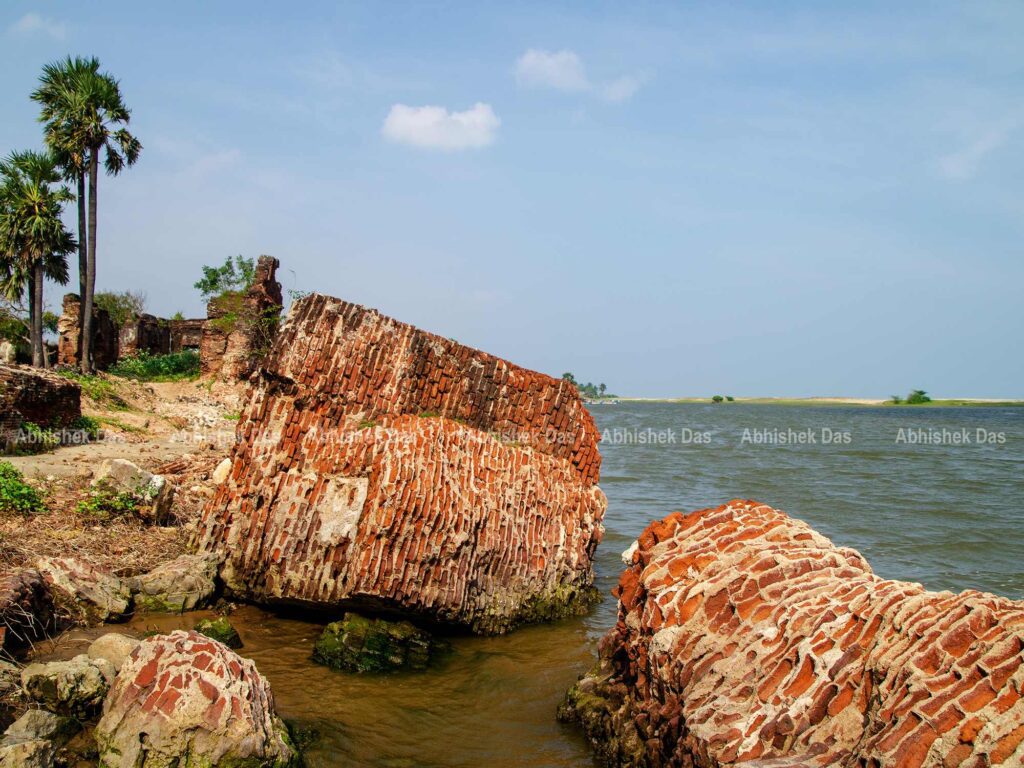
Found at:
[963, 402]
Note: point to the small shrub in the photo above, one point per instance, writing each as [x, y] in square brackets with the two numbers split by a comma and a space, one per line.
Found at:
[146, 367]
[37, 439]
[105, 503]
[717, 399]
[87, 425]
[918, 397]
[16, 495]
[730, 399]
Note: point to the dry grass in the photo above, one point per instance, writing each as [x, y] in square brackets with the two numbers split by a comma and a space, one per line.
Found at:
[126, 547]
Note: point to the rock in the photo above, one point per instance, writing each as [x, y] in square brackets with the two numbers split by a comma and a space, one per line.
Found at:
[123, 476]
[113, 647]
[75, 688]
[359, 644]
[31, 395]
[8, 354]
[39, 725]
[184, 584]
[377, 462]
[198, 703]
[220, 629]
[220, 474]
[28, 754]
[87, 592]
[26, 609]
[746, 638]
[10, 678]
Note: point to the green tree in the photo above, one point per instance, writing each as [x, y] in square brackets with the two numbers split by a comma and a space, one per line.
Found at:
[233, 276]
[917, 397]
[85, 118]
[34, 243]
[122, 307]
[570, 378]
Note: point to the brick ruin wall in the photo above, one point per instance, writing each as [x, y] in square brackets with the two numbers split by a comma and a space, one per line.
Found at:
[744, 637]
[105, 335]
[145, 333]
[31, 395]
[379, 463]
[241, 327]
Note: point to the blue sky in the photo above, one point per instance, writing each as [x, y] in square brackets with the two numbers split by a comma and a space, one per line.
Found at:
[674, 199]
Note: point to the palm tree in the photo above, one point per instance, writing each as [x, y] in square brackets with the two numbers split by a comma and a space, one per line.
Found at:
[63, 113]
[34, 242]
[85, 116]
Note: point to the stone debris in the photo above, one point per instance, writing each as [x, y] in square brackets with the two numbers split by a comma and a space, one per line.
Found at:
[87, 592]
[40, 725]
[184, 584]
[114, 648]
[75, 688]
[377, 462]
[28, 754]
[198, 703]
[360, 644]
[744, 637]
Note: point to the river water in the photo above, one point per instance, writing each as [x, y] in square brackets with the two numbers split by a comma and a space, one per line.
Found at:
[938, 502]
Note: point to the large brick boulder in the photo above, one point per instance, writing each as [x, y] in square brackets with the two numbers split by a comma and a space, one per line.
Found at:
[186, 700]
[381, 465]
[746, 638]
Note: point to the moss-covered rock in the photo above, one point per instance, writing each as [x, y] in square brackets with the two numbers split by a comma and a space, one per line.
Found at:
[359, 644]
[220, 629]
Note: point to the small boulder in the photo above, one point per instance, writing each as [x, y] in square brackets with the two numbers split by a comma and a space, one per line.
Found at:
[183, 584]
[10, 678]
[220, 629]
[39, 725]
[75, 688]
[198, 703]
[113, 647]
[220, 474]
[124, 476]
[89, 593]
[359, 644]
[28, 754]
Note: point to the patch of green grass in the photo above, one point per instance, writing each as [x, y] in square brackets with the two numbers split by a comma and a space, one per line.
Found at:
[104, 503]
[96, 389]
[233, 415]
[367, 424]
[88, 425]
[123, 426]
[178, 366]
[16, 495]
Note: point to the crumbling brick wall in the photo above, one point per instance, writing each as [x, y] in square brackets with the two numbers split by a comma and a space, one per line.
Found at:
[105, 335]
[31, 395]
[744, 637]
[144, 333]
[186, 334]
[240, 327]
[383, 465]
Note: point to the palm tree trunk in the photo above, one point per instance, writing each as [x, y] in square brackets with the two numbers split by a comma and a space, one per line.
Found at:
[83, 254]
[90, 268]
[36, 313]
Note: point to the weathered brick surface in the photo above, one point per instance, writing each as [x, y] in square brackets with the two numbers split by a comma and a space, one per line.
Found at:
[145, 333]
[378, 463]
[744, 637]
[240, 327]
[186, 334]
[26, 609]
[31, 395]
[184, 699]
[104, 333]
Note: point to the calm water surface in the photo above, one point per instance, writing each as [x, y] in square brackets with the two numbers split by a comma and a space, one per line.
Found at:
[948, 516]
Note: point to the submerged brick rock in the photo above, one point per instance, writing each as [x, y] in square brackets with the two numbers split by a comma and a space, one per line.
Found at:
[186, 700]
[381, 464]
[359, 644]
[746, 638]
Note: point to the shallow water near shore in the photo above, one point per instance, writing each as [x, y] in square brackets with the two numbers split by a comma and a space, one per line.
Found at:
[947, 515]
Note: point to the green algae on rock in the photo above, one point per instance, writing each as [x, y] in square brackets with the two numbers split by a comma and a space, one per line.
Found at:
[360, 644]
[220, 629]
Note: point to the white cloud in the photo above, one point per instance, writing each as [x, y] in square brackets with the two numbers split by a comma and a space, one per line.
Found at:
[436, 128]
[564, 71]
[965, 163]
[31, 23]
